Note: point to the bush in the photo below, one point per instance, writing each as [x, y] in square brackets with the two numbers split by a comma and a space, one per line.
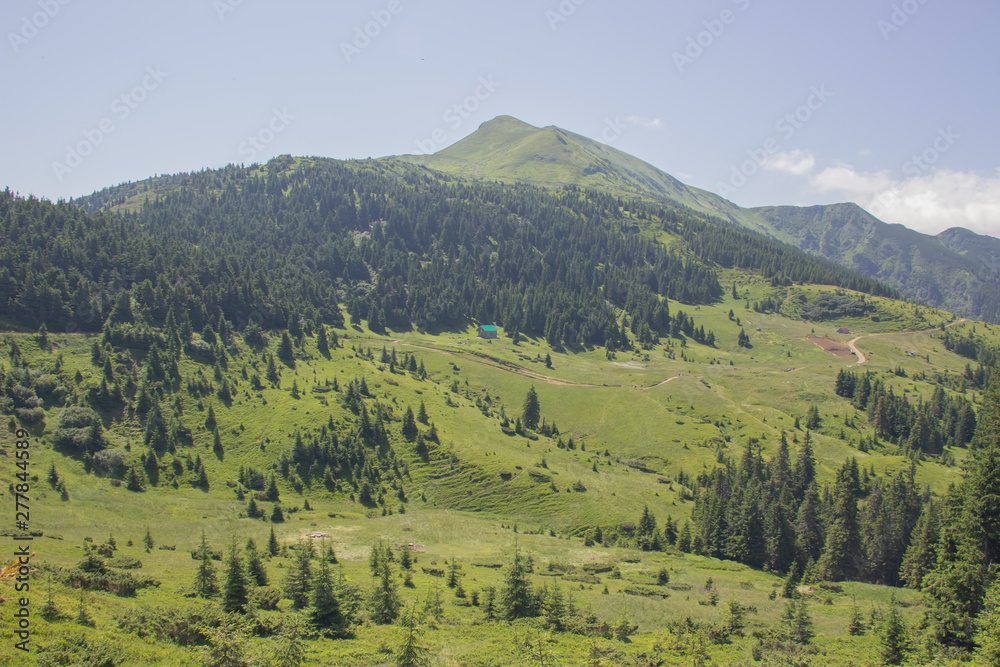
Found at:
[110, 462]
[79, 430]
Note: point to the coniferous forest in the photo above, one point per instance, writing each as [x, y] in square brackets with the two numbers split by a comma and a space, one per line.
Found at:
[155, 333]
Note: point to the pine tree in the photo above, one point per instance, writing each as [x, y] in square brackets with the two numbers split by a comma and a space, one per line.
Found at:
[490, 604]
[808, 532]
[272, 544]
[285, 351]
[409, 424]
[805, 468]
[988, 626]
[255, 566]
[554, 609]
[893, 634]
[148, 541]
[684, 541]
[235, 592]
[532, 410]
[411, 653]
[384, 601]
[516, 600]
[298, 581]
[205, 580]
[921, 554]
[779, 537]
[802, 624]
[842, 554]
[325, 613]
[322, 344]
[272, 371]
[422, 416]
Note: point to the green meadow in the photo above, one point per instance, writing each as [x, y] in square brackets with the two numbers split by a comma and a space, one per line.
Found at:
[639, 420]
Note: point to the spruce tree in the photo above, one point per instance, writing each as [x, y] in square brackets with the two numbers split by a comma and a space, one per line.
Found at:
[384, 601]
[322, 344]
[235, 592]
[325, 613]
[272, 544]
[409, 424]
[532, 410]
[411, 653]
[285, 351]
[893, 635]
[842, 554]
[298, 581]
[516, 599]
[255, 566]
[205, 579]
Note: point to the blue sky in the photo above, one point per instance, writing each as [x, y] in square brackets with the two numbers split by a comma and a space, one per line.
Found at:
[889, 103]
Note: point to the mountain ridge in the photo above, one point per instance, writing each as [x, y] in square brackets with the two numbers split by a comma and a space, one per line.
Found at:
[957, 269]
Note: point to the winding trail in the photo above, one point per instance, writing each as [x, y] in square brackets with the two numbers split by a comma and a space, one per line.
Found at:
[862, 359]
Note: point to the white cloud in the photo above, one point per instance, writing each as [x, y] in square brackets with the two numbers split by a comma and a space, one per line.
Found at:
[930, 202]
[797, 162]
[651, 123]
[866, 152]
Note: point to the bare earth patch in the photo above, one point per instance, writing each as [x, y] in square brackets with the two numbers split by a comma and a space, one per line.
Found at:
[834, 347]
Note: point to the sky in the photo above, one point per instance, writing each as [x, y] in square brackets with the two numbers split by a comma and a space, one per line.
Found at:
[887, 103]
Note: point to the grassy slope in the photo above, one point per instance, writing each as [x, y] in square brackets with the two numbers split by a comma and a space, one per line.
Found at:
[669, 427]
[506, 149]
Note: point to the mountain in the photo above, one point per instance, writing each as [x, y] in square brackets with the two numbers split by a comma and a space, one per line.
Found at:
[507, 149]
[958, 270]
[285, 356]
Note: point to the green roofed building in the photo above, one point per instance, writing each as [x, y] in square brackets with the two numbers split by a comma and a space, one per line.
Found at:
[487, 331]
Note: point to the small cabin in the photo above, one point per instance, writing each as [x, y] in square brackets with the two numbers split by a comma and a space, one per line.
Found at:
[486, 331]
[843, 330]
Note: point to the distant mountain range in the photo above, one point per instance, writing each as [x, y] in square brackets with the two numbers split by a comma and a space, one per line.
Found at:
[958, 269]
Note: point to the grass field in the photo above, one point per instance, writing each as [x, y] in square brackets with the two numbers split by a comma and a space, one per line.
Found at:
[638, 420]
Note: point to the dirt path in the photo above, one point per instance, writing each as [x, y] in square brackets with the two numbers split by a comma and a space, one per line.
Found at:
[862, 359]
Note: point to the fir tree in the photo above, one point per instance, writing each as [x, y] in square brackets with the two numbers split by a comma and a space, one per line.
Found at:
[409, 424]
[532, 410]
[205, 580]
[384, 601]
[272, 544]
[322, 344]
[255, 566]
[285, 351]
[842, 555]
[411, 653]
[516, 599]
[235, 592]
[893, 635]
[325, 613]
[298, 581]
